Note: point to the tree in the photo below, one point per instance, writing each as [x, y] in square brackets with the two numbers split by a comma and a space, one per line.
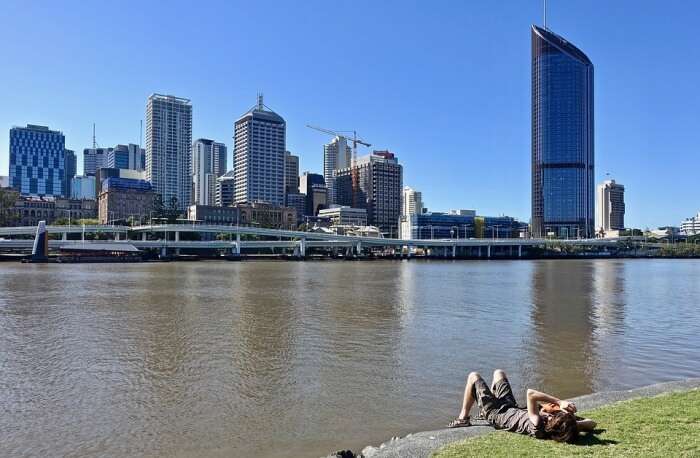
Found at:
[8, 215]
[172, 212]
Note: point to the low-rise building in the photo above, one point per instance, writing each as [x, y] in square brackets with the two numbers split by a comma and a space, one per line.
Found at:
[122, 199]
[29, 210]
[342, 215]
[691, 226]
[436, 225]
[263, 214]
[212, 214]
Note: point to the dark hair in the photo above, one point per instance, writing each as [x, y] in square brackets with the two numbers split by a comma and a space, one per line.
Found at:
[561, 426]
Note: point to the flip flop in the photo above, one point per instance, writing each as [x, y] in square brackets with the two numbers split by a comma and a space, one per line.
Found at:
[459, 423]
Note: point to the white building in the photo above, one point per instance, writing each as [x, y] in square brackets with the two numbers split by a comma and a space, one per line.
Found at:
[225, 188]
[610, 208]
[208, 164]
[411, 202]
[82, 187]
[336, 155]
[169, 147]
[691, 226]
[258, 156]
[342, 215]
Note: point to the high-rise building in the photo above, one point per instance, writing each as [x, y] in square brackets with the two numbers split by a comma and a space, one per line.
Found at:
[225, 188]
[37, 161]
[412, 202]
[208, 157]
[374, 183]
[610, 207]
[314, 187]
[83, 187]
[562, 138]
[126, 157]
[71, 169]
[336, 155]
[291, 173]
[258, 156]
[94, 159]
[169, 147]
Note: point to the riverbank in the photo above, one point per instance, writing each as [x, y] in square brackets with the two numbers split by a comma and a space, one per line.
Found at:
[425, 444]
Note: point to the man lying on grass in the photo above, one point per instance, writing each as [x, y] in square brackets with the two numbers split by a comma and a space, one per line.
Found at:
[546, 417]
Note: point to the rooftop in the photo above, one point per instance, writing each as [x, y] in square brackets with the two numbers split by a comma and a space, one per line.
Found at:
[561, 43]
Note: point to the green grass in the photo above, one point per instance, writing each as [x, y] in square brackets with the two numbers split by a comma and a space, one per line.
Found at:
[666, 425]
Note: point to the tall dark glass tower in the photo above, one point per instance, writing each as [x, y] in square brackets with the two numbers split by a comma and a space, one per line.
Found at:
[562, 138]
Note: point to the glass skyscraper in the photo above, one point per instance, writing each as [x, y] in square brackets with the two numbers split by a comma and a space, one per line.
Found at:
[563, 190]
[37, 161]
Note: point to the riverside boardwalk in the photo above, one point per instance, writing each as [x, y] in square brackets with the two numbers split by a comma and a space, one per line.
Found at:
[425, 444]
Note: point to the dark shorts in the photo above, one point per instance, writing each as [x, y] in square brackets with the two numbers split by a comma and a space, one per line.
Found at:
[496, 401]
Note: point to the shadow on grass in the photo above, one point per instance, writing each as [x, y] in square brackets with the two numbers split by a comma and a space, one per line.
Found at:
[590, 439]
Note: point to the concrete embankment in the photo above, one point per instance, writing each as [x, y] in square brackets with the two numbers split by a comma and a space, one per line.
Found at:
[424, 444]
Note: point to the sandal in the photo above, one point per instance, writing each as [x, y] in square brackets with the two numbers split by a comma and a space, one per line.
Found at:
[459, 423]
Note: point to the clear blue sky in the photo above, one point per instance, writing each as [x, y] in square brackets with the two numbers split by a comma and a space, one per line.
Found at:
[444, 84]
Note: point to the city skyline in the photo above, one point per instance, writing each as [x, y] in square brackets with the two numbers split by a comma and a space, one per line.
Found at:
[634, 151]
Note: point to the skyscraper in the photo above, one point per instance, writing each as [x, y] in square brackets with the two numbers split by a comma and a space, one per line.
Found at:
[610, 207]
[291, 173]
[93, 159]
[412, 203]
[126, 157]
[562, 138]
[169, 147]
[374, 183]
[208, 157]
[71, 164]
[258, 156]
[336, 155]
[37, 160]
[225, 188]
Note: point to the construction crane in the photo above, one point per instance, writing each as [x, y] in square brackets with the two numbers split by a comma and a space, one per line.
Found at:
[343, 133]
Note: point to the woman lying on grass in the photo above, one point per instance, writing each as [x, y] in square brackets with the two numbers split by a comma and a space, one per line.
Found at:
[546, 417]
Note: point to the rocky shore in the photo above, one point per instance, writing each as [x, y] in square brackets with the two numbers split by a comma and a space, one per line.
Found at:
[424, 444]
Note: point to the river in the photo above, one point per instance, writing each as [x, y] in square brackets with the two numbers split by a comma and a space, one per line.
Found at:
[258, 359]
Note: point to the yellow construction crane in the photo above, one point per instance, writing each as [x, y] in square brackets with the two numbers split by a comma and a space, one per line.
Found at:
[343, 133]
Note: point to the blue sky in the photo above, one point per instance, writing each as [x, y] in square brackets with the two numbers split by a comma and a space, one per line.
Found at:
[444, 84]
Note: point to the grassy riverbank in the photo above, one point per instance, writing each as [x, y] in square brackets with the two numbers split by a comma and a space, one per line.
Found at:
[666, 425]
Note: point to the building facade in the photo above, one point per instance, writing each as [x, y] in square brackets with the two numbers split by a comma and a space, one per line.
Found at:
[291, 173]
[313, 185]
[169, 147]
[336, 155]
[374, 183]
[412, 202]
[126, 157]
[691, 226]
[212, 214]
[258, 156]
[436, 225]
[30, 210]
[562, 138]
[610, 207]
[123, 199]
[297, 201]
[71, 162]
[341, 215]
[225, 188]
[83, 187]
[208, 158]
[262, 214]
[94, 159]
[37, 161]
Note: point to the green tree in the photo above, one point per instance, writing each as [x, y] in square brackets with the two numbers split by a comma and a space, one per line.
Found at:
[8, 215]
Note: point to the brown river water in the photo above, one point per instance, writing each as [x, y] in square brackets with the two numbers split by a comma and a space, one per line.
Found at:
[257, 359]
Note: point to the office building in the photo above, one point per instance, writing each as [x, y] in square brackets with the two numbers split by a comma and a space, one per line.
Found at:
[126, 157]
[169, 148]
[212, 214]
[208, 157]
[336, 155]
[37, 161]
[374, 183]
[342, 215]
[94, 159]
[258, 156]
[462, 212]
[314, 187]
[32, 209]
[225, 188]
[291, 173]
[83, 187]
[124, 199]
[71, 163]
[263, 214]
[104, 173]
[297, 201]
[691, 226]
[498, 227]
[412, 202]
[562, 138]
[437, 225]
[610, 208]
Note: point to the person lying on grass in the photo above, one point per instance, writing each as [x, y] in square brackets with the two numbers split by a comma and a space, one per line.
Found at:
[546, 417]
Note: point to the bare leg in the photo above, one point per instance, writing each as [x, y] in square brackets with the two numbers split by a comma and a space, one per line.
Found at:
[469, 399]
[498, 375]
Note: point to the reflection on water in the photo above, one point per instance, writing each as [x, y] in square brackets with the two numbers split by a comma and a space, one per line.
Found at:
[265, 358]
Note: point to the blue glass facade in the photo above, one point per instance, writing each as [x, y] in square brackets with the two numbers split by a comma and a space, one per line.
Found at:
[441, 226]
[37, 161]
[562, 138]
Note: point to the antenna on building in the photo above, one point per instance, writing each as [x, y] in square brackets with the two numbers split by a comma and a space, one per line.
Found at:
[94, 142]
[545, 14]
[260, 101]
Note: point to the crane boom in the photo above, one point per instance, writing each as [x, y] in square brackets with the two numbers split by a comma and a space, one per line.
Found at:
[355, 141]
